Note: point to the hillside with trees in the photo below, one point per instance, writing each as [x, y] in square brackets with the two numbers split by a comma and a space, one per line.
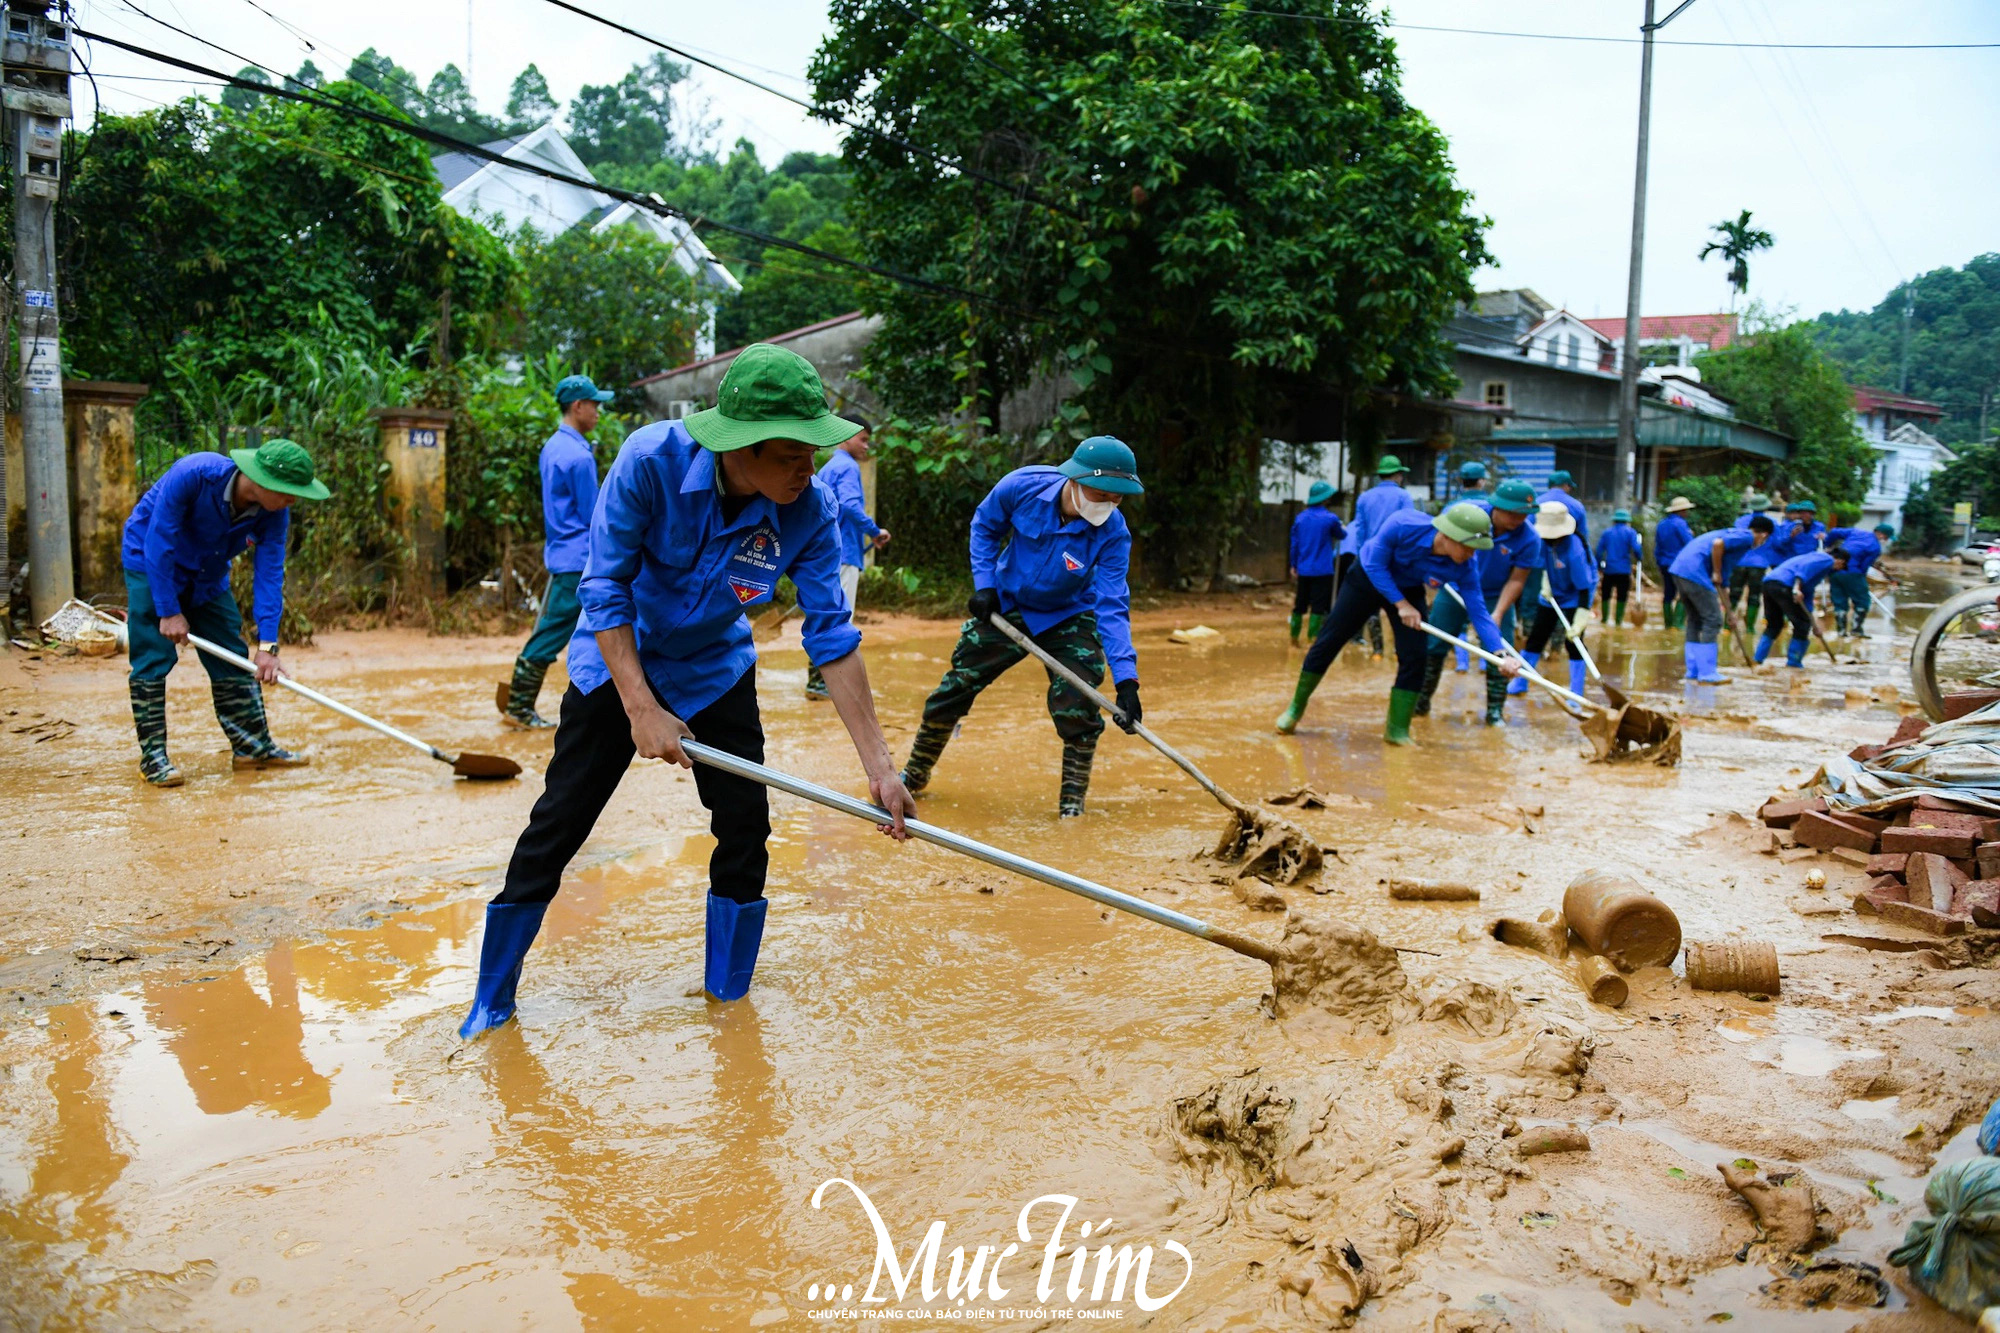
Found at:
[1950, 341]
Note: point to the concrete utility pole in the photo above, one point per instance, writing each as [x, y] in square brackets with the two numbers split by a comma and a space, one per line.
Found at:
[35, 58]
[1628, 367]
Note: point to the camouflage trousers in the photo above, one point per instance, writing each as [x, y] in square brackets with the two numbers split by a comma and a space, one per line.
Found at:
[983, 654]
[239, 700]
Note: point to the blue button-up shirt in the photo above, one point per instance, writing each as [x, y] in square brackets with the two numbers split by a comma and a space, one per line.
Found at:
[1371, 509]
[1795, 537]
[1519, 549]
[569, 493]
[1575, 507]
[1807, 570]
[1864, 548]
[1620, 548]
[1050, 568]
[184, 532]
[1770, 553]
[1315, 533]
[665, 560]
[1692, 562]
[842, 475]
[1399, 556]
[1572, 574]
[1669, 538]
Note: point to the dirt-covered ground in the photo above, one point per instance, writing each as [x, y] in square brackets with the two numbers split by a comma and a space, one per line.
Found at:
[232, 1094]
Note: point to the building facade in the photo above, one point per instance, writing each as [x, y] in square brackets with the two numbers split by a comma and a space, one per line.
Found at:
[1905, 453]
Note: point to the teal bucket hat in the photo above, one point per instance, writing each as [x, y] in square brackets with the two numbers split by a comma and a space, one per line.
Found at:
[1104, 463]
[1515, 496]
[1621, 516]
[1466, 523]
[1321, 492]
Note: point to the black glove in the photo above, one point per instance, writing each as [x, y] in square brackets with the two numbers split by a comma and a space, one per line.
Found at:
[1128, 704]
[983, 605]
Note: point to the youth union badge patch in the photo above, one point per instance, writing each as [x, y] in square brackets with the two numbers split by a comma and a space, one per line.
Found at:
[746, 591]
[1071, 563]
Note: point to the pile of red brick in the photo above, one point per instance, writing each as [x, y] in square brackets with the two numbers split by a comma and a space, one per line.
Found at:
[1955, 706]
[1934, 866]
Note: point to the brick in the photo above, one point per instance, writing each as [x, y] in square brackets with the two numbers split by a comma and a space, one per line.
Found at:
[1909, 729]
[1851, 856]
[1930, 802]
[1818, 830]
[1932, 880]
[1989, 861]
[1863, 753]
[1882, 890]
[1980, 894]
[1783, 814]
[1888, 863]
[1942, 841]
[1922, 918]
[1968, 701]
[1868, 822]
[1979, 826]
[1970, 868]
[1985, 916]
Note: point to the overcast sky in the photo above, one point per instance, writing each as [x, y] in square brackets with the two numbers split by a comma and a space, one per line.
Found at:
[1869, 166]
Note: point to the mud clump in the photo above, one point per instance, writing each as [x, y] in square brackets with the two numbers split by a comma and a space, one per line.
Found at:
[1782, 1201]
[1327, 1285]
[1329, 967]
[1473, 1007]
[1828, 1284]
[1558, 1058]
[1268, 847]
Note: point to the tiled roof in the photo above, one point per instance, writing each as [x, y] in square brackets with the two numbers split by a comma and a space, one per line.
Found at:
[1716, 330]
[731, 354]
[1888, 400]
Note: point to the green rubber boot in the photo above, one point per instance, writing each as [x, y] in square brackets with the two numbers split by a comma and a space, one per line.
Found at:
[1293, 623]
[1402, 705]
[1312, 626]
[1288, 721]
[1496, 697]
[522, 691]
[1433, 673]
[149, 717]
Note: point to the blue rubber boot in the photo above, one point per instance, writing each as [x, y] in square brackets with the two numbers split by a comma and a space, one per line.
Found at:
[1691, 657]
[510, 929]
[1710, 674]
[1764, 642]
[1795, 653]
[1464, 660]
[1577, 679]
[1518, 685]
[735, 930]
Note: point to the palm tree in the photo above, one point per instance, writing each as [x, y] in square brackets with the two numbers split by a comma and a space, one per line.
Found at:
[1738, 241]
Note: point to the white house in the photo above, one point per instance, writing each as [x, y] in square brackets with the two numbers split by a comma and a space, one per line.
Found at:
[1561, 339]
[497, 192]
[1905, 453]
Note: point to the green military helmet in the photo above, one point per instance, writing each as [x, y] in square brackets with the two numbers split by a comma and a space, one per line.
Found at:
[1560, 477]
[768, 393]
[1472, 471]
[1468, 524]
[1515, 496]
[1104, 463]
[281, 466]
[1389, 466]
[1321, 492]
[1621, 516]
[1802, 507]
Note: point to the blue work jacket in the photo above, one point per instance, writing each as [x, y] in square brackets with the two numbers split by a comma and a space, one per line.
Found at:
[665, 560]
[842, 475]
[1315, 533]
[1519, 549]
[1796, 538]
[1575, 507]
[1620, 548]
[1372, 508]
[1692, 562]
[1864, 548]
[1762, 557]
[1572, 573]
[1399, 556]
[569, 493]
[1807, 570]
[184, 532]
[1049, 568]
[1669, 537]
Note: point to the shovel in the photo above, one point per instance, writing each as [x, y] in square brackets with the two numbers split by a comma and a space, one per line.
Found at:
[1611, 692]
[1264, 840]
[466, 764]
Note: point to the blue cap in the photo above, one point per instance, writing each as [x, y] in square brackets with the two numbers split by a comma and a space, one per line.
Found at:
[1321, 492]
[1559, 478]
[1104, 463]
[1474, 471]
[576, 388]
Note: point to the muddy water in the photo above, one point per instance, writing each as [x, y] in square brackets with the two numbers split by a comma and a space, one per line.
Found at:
[264, 1116]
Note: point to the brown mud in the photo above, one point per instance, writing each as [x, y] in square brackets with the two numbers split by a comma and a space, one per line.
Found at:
[232, 1095]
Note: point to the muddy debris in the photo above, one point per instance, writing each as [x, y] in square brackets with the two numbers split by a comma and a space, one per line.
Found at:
[1558, 1058]
[1330, 967]
[1634, 735]
[1546, 934]
[1545, 1139]
[1748, 966]
[1782, 1200]
[1432, 891]
[1830, 1284]
[1268, 846]
[1620, 920]
[1327, 1285]
[1473, 1007]
[1601, 982]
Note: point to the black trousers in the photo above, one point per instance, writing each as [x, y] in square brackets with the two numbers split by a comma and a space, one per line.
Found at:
[1545, 627]
[1617, 587]
[1314, 594]
[1357, 604]
[593, 749]
[1670, 591]
[1780, 609]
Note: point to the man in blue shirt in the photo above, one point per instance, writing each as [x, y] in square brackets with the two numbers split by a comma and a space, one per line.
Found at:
[1848, 588]
[1620, 550]
[569, 492]
[1410, 553]
[1670, 535]
[1788, 598]
[1701, 570]
[1571, 577]
[1746, 578]
[1562, 489]
[1315, 533]
[697, 520]
[859, 533]
[1371, 509]
[1472, 481]
[1050, 552]
[1503, 572]
[177, 547]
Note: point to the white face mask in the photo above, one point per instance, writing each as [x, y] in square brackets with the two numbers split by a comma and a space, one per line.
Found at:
[1094, 512]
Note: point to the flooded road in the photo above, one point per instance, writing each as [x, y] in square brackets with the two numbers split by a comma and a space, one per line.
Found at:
[232, 1094]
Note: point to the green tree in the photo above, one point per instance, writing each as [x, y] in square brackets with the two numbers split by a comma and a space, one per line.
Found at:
[529, 102]
[1953, 344]
[634, 122]
[449, 108]
[613, 305]
[1247, 209]
[309, 76]
[1737, 241]
[242, 99]
[786, 290]
[1778, 377]
[388, 80]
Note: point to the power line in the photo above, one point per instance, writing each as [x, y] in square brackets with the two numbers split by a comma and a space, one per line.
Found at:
[647, 202]
[1019, 191]
[1227, 11]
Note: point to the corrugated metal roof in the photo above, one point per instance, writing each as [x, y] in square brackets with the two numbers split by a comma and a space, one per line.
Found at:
[454, 169]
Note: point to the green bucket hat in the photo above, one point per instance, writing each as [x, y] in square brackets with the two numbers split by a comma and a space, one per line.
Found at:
[1321, 492]
[1621, 516]
[1802, 507]
[1473, 471]
[1757, 503]
[1560, 477]
[1389, 466]
[282, 466]
[1467, 523]
[769, 394]
[1515, 496]
[1104, 463]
